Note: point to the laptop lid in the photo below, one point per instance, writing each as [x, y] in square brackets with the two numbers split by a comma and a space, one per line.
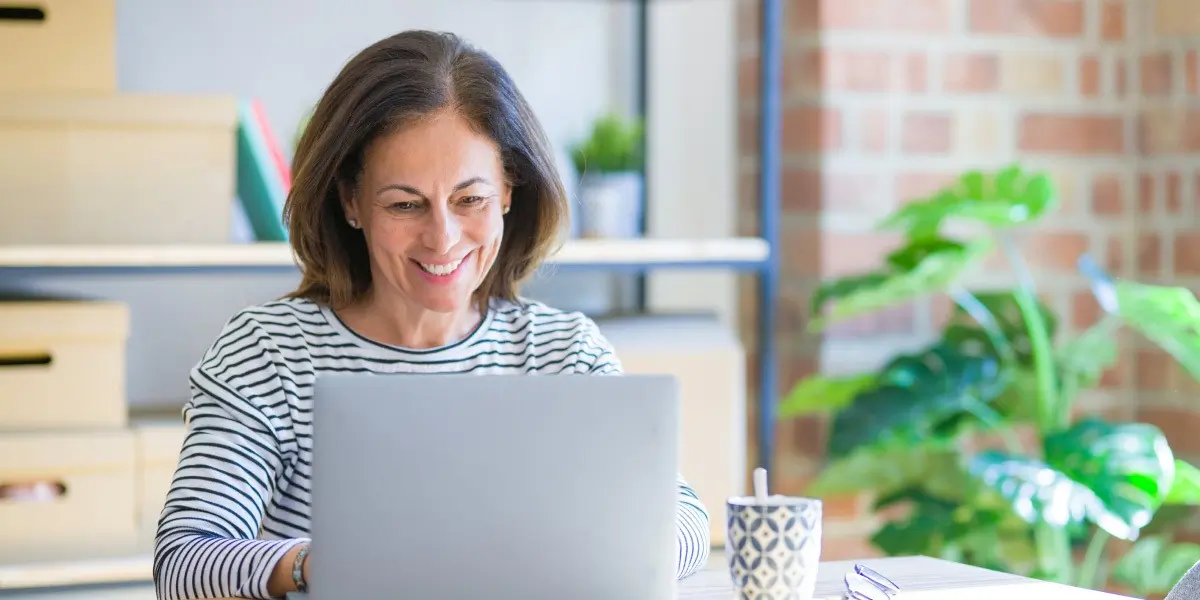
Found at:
[494, 486]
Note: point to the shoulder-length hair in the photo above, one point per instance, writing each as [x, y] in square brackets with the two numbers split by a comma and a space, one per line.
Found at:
[389, 84]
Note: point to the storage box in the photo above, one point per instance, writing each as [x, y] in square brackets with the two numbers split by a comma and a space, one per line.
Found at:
[117, 168]
[158, 444]
[66, 496]
[709, 363]
[62, 365]
[58, 45]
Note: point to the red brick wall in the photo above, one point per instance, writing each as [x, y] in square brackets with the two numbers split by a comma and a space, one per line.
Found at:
[885, 100]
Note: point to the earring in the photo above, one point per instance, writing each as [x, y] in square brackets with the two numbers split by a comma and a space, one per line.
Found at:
[505, 211]
[354, 223]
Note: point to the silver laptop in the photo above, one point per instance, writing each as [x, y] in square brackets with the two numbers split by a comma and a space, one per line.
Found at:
[494, 487]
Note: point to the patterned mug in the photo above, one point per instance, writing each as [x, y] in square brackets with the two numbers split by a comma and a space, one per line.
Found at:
[773, 547]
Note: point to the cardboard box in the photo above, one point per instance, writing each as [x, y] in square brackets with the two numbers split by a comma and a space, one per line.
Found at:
[117, 168]
[66, 496]
[58, 45]
[62, 365]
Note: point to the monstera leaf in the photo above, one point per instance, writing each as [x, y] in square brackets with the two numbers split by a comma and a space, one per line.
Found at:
[884, 468]
[1001, 312]
[917, 397]
[1153, 565]
[1168, 316]
[1007, 198]
[1115, 476]
[965, 532]
[921, 267]
[822, 394]
[1185, 489]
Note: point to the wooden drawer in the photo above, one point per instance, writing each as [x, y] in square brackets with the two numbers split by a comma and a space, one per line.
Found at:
[58, 45]
[117, 168]
[68, 496]
[158, 444]
[62, 365]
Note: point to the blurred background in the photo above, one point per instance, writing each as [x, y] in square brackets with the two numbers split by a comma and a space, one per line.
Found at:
[949, 293]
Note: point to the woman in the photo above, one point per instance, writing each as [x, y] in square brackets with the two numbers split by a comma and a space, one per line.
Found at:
[424, 191]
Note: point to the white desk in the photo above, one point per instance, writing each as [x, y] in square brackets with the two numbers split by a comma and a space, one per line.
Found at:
[920, 578]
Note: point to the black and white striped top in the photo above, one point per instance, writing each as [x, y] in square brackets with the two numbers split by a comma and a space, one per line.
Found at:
[240, 496]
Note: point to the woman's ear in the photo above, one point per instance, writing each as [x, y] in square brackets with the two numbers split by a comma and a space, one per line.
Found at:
[349, 207]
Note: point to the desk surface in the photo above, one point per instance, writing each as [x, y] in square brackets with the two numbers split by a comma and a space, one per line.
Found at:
[920, 578]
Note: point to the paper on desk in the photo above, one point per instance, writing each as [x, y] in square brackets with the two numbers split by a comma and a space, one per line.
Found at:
[1032, 590]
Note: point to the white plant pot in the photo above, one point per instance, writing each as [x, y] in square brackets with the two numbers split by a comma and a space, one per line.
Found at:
[612, 204]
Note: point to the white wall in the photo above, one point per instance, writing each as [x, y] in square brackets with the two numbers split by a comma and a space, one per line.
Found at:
[561, 53]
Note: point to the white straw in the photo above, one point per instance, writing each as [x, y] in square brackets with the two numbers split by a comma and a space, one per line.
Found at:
[760, 484]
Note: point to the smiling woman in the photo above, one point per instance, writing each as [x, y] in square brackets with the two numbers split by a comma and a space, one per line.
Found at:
[424, 192]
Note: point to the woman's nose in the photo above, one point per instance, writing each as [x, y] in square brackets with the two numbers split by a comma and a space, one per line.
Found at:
[442, 231]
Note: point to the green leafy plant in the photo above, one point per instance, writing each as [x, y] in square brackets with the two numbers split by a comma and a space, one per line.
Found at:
[613, 146]
[914, 434]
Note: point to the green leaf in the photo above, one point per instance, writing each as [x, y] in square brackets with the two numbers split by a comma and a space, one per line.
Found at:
[1185, 489]
[1167, 316]
[917, 397]
[1004, 311]
[821, 394]
[1153, 565]
[1115, 476]
[884, 468]
[920, 268]
[1007, 198]
[1084, 359]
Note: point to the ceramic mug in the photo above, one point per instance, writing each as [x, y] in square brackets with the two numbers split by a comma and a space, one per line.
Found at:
[773, 546]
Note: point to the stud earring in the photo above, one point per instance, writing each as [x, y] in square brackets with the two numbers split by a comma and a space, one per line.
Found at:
[505, 211]
[354, 223]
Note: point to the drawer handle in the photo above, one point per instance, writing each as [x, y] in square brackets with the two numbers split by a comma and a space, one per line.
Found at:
[25, 359]
[32, 491]
[22, 13]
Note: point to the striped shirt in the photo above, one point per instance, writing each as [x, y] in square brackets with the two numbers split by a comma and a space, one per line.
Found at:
[240, 496]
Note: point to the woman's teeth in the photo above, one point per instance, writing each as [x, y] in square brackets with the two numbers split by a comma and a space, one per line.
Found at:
[444, 269]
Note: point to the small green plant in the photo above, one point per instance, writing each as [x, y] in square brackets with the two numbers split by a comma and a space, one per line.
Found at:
[910, 434]
[613, 146]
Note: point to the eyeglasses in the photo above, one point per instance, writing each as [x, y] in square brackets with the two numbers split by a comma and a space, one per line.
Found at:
[864, 583]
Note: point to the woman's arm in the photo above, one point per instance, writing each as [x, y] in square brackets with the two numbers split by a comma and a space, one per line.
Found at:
[692, 538]
[691, 531]
[206, 544]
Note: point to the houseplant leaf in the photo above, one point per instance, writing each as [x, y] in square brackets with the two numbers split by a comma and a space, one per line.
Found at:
[1153, 565]
[916, 397]
[1129, 466]
[1005, 313]
[917, 269]
[1185, 489]
[1114, 475]
[1007, 198]
[884, 468]
[822, 394]
[1168, 316]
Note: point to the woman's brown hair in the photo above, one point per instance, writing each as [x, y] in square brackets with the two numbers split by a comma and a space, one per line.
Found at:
[392, 83]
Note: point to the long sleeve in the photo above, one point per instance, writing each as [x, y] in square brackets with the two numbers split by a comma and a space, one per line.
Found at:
[692, 539]
[206, 544]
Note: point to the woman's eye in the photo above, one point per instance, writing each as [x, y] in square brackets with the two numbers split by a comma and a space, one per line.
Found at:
[402, 206]
[472, 199]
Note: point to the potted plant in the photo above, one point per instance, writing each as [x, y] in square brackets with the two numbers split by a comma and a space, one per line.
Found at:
[611, 186]
[913, 434]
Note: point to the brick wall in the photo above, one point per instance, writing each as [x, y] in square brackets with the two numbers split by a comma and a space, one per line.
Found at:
[885, 100]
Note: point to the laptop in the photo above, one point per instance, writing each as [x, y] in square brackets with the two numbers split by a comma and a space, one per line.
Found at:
[494, 486]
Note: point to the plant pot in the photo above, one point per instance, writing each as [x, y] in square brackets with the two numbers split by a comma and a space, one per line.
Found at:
[612, 204]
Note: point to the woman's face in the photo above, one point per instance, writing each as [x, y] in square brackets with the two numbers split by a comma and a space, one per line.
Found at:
[431, 205]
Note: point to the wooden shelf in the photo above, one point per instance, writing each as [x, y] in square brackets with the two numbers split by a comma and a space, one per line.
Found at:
[84, 572]
[727, 252]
